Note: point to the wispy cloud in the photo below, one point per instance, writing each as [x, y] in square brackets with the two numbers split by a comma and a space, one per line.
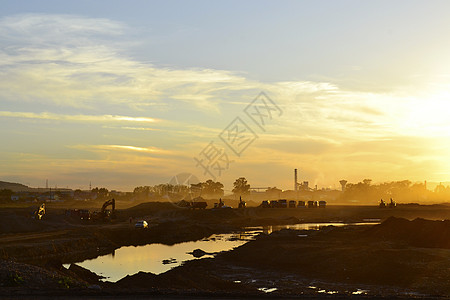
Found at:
[124, 148]
[69, 61]
[76, 118]
[129, 148]
[131, 128]
[76, 61]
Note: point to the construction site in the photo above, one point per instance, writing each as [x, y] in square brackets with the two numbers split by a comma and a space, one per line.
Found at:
[283, 244]
[43, 249]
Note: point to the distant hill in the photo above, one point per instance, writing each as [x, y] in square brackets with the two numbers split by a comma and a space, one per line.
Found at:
[15, 187]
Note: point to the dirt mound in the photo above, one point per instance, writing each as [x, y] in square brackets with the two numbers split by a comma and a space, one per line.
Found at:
[148, 208]
[19, 275]
[419, 232]
[191, 276]
[85, 274]
[13, 223]
[341, 255]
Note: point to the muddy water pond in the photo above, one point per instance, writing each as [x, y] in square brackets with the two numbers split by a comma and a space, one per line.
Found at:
[159, 258]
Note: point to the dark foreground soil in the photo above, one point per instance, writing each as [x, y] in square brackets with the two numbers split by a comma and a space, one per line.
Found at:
[399, 258]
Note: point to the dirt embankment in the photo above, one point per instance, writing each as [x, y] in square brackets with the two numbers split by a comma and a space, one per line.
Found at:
[335, 261]
[397, 254]
[70, 240]
[418, 232]
[385, 255]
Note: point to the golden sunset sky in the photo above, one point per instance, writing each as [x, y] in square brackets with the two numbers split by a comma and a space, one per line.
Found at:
[123, 94]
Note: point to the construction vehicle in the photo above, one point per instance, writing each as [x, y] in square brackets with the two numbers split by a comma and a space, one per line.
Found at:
[105, 214]
[40, 212]
[383, 204]
[273, 203]
[184, 204]
[220, 204]
[301, 204]
[242, 203]
[82, 214]
[197, 203]
[312, 204]
[392, 204]
[282, 203]
[265, 204]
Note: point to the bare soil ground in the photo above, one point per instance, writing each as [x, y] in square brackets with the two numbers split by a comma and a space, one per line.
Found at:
[398, 258]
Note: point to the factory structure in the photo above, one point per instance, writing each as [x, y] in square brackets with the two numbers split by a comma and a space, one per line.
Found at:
[304, 186]
[301, 192]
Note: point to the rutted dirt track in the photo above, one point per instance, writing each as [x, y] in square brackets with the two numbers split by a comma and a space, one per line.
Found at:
[398, 257]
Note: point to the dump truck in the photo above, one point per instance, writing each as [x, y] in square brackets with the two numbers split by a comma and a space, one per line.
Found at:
[301, 204]
[312, 204]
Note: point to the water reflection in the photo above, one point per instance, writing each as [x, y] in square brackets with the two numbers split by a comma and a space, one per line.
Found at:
[159, 258]
[305, 226]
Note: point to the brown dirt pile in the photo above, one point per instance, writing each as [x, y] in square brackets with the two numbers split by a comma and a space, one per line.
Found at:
[419, 232]
[348, 255]
[192, 276]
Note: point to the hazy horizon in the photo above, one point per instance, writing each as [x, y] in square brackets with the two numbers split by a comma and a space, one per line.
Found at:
[128, 94]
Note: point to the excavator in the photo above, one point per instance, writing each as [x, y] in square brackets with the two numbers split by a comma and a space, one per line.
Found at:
[383, 204]
[105, 214]
[242, 203]
[40, 212]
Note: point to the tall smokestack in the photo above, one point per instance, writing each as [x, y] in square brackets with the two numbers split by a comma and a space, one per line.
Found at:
[295, 180]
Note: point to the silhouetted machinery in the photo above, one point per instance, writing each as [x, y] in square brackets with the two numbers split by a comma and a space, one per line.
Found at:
[265, 204]
[197, 203]
[383, 204]
[221, 204]
[40, 212]
[105, 214]
[82, 214]
[301, 204]
[313, 204]
[242, 203]
[392, 204]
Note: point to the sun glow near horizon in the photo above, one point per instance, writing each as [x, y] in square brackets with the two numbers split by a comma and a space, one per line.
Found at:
[89, 96]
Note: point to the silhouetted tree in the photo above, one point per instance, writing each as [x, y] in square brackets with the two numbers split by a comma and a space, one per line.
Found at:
[100, 192]
[212, 188]
[241, 187]
[367, 181]
[196, 189]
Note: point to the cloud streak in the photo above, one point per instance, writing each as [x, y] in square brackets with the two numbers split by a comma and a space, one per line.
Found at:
[76, 118]
[72, 62]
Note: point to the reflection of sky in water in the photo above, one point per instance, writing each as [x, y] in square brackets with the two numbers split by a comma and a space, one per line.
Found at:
[305, 226]
[149, 258]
